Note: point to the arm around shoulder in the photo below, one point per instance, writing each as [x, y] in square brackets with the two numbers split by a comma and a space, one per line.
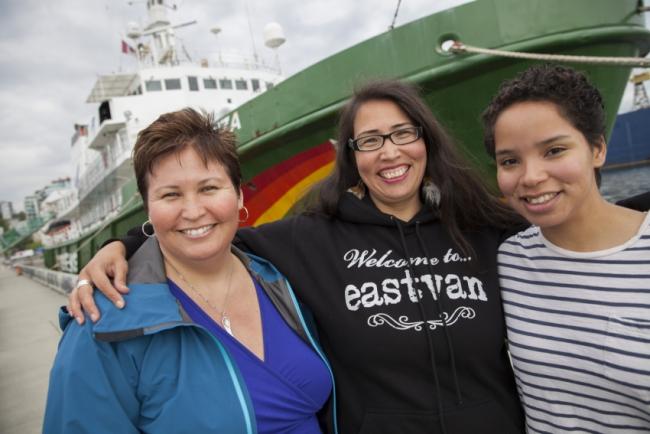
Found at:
[270, 240]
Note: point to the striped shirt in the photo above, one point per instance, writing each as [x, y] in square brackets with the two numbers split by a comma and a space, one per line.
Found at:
[579, 333]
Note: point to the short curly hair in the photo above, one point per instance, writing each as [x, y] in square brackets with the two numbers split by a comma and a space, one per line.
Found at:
[577, 100]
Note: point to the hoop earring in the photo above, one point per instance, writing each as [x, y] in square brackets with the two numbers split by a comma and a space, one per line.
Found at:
[144, 231]
[247, 214]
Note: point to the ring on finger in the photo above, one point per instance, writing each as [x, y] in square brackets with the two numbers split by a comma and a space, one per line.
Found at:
[83, 282]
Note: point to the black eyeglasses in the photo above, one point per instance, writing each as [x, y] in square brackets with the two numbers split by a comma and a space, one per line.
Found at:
[403, 136]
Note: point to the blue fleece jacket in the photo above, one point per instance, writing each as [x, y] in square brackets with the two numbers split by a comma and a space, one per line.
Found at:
[148, 368]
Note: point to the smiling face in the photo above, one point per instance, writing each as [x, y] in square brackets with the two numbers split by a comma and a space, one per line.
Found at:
[193, 208]
[545, 166]
[392, 173]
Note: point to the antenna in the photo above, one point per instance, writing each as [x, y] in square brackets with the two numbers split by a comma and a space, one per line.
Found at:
[215, 30]
[250, 29]
[392, 25]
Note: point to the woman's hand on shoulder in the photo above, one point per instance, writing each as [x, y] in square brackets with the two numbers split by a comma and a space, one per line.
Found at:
[108, 263]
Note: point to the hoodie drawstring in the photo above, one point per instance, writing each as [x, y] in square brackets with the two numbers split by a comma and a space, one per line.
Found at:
[441, 307]
[426, 329]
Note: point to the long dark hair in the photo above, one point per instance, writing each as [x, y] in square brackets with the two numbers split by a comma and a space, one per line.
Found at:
[466, 203]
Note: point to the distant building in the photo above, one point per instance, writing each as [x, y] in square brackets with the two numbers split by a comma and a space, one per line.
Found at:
[57, 202]
[6, 210]
[36, 204]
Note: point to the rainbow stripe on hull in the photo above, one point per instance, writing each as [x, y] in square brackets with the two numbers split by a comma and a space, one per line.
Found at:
[270, 195]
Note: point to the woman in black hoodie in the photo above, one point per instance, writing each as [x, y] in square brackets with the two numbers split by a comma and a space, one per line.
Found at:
[397, 262]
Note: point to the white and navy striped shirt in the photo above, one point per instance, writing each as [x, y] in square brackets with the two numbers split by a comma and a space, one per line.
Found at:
[579, 333]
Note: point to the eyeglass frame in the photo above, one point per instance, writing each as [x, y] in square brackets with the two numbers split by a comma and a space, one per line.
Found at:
[352, 143]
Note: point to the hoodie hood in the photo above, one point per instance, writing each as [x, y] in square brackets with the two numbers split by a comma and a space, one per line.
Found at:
[355, 207]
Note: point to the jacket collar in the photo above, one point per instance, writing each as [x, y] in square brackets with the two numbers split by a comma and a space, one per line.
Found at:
[151, 307]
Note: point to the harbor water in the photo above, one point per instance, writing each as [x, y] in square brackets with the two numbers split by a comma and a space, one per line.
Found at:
[619, 184]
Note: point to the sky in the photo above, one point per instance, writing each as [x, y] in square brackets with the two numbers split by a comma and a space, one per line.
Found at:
[51, 53]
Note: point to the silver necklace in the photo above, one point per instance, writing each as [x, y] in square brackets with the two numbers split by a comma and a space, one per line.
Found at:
[225, 319]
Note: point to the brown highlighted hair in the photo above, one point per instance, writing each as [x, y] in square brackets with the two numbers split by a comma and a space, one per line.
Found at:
[577, 100]
[465, 203]
[172, 132]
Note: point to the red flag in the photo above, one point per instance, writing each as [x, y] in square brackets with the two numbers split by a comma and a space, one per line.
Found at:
[127, 49]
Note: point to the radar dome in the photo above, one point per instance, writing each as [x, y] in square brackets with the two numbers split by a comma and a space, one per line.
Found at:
[273, 35]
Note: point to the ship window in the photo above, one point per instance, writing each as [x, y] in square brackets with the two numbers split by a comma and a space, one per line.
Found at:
[193, 83]
[269, 85]
[152, 85]
[225, 83]
[173, 83]
[256, 84]
[241, 84]
[209, 83]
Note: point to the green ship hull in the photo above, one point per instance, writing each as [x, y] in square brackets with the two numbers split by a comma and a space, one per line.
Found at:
[286, 134]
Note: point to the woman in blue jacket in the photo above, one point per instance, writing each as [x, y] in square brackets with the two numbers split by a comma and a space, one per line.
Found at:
[212, 340]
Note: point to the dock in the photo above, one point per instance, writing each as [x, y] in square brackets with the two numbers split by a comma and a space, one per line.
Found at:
[29, 335]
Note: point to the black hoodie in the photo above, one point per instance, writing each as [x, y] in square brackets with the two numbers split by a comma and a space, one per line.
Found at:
[400, 366]
[387, 350]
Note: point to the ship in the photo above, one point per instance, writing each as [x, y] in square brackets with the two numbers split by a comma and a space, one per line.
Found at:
[286, 133]
[165, 79]
[629, 143]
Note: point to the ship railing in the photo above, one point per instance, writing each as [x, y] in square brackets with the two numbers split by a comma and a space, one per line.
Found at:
[237, 60]
[108, 160]
[92, 176]
[59, 281]
[70, 208]
[60, 237]
[107, 209]
[249, 66]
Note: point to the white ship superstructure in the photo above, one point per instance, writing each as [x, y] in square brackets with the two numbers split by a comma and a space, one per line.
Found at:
[128, 102]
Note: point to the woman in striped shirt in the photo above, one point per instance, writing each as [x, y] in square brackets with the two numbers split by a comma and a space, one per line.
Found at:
[576, 284]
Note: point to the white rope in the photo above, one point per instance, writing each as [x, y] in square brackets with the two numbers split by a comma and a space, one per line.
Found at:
[458, 48]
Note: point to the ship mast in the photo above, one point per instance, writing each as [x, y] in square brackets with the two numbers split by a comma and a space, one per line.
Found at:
[163, 49]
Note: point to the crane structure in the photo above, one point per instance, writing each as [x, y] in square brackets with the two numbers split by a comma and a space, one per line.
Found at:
[640, 95]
